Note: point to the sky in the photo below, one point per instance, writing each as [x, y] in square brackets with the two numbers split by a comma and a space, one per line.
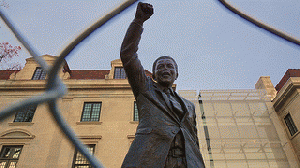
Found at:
[214, 48]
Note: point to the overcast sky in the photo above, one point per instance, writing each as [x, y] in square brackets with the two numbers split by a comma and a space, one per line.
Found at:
[214, 48]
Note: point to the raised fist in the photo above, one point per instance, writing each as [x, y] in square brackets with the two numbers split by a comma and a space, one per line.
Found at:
[143, 11]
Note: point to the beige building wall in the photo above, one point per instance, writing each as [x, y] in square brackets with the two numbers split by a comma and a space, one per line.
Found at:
[287, 102]
[44, 145]
[264, 82]
[240, 128]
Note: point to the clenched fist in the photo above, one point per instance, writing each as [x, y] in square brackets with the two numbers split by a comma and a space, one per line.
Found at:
[143, 12]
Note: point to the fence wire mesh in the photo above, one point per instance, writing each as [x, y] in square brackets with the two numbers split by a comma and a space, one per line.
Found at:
[55, 88]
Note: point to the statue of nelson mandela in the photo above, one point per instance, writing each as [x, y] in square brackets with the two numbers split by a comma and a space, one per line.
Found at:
[166, 136]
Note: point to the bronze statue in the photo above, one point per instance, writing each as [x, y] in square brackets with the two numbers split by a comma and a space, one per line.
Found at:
[166, 135]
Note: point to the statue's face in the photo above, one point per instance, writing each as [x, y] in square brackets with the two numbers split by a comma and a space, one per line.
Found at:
[165, 72]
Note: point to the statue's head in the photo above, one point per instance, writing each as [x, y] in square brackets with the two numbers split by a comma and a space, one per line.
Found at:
[165, 71]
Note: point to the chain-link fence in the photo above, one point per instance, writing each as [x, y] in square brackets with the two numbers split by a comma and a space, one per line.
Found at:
[55, 88]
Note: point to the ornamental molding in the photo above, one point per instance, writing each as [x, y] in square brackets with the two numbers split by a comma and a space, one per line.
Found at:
[285, 93]
[16, 134]
[89, 137]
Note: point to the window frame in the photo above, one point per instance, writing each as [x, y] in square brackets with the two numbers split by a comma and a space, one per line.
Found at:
[10, 158]
[289, 122]
[27, 110]
[90, 112]
[119, 73]
[84, 159]
[135, 112]
[39, 74]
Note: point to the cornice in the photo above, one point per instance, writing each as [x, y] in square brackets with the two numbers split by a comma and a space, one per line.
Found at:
[89, 137]
[98, 86]
[22, 84]
[71, 84]
[25, 134]
[287, 90]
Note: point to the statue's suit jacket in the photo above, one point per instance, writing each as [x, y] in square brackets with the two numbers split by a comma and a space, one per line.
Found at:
[158, 124]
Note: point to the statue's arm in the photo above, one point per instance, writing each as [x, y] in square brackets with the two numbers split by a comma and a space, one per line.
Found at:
[134, 70]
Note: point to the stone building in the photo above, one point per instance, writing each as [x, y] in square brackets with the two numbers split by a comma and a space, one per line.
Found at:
[287, 106]
[99, 106]
[239, 128]
[236, 128]
[250, 128]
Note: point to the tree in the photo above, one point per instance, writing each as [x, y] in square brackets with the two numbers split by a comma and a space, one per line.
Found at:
[7, 53]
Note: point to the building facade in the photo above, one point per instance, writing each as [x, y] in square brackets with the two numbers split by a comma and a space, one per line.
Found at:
[99, 106]
[236, 128]
[287, 106]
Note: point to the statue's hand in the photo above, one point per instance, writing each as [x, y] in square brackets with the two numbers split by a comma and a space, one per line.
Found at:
[143, 12]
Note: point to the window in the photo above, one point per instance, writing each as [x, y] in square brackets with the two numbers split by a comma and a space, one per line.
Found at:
[9, 156]
[25, 115]
[135, 113]
[290, 124]
[81, 161]
[91, 112]
[119, 73]
[39, 74]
